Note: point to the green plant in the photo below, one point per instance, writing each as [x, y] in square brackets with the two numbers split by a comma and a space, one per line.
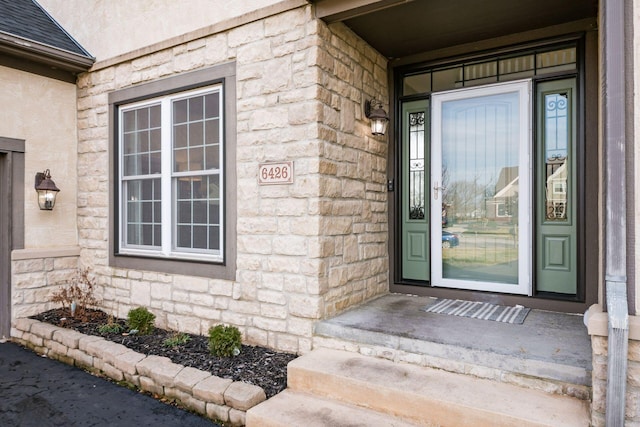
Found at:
[176, 339]
[141, 320]
[224, 341]
[77, 296]
[111, 327]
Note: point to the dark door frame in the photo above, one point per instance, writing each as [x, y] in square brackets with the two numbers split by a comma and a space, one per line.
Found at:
[12, 220]
[590, 222]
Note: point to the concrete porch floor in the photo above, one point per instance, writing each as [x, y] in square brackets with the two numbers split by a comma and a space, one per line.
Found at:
[547, 345]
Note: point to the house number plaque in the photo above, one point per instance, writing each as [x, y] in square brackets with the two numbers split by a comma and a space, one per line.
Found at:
[275, 173]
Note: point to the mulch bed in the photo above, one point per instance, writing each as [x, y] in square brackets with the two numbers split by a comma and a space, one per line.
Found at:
[254, 365]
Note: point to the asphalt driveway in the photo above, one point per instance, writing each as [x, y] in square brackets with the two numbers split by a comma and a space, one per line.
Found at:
[40, 392]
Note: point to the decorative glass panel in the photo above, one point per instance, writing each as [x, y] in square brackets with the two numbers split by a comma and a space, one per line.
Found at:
[416, 166]
[556, 142]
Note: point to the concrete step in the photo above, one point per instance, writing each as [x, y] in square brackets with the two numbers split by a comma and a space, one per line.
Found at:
[291, 408]
[429, 396]
[550, 352]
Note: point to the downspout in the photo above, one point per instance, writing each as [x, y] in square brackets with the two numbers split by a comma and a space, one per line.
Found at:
[613, 19]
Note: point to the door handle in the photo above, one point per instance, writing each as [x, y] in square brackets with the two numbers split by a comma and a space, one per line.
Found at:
[435, 191]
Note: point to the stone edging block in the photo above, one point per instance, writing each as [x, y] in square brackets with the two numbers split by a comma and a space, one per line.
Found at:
[212, 396]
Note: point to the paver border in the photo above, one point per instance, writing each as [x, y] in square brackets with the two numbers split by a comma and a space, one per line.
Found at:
[214, 397]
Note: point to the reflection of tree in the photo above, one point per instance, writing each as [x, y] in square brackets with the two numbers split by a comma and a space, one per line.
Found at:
[466, 198]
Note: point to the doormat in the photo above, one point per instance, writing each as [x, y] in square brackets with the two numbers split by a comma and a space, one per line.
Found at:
[479, 310]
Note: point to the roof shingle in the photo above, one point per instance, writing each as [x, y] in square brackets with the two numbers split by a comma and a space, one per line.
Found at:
[28, 20]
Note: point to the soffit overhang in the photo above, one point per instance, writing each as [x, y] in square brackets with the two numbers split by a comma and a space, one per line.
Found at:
[403, 28]
[44, 59]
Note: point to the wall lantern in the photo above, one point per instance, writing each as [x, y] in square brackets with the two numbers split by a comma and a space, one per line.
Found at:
[379, 118]
[47, 190]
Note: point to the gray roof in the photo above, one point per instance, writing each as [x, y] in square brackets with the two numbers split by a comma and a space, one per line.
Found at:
[29, 35]
[28, 20]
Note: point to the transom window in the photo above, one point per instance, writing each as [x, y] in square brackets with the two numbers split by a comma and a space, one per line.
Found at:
[491, 70]
[171, 175]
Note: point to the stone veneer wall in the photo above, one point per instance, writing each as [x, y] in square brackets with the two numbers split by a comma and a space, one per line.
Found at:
[36, 274]
[632, 415]
[304, 251]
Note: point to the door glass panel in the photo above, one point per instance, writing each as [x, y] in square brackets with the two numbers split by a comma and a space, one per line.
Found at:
[416, 166]
[556, 143]
[480, 148]
[480, 180]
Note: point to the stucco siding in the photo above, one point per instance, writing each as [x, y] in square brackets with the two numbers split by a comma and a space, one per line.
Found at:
[126, 26]
[42, 112]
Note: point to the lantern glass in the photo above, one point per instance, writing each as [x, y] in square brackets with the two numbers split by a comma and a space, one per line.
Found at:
[46, 189]
[379, 119]
[379, 126]
[46, 199]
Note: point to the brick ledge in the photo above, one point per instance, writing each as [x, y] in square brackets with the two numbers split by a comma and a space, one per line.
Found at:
[217, 398]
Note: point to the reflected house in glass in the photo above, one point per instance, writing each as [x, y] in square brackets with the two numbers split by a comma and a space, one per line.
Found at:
[556, 190]
[501, 205]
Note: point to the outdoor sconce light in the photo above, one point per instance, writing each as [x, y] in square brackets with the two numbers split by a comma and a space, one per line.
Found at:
[379, 118]
[47, 190]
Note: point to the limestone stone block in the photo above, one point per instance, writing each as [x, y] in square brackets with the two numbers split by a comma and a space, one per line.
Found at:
[160, 369]
[212, 389]
[86, 340]
[33, 340]
[147, 384]
[188, 378]
[106, 350]
[16, 334]
[112, 372]
[43, 330]
[132, 379]
[127, 361]
[68, 337]
[194, 404]
[217, 412]
[81, 359]
[242, 396]
[24, 324]
[56, 347]
[237, 417]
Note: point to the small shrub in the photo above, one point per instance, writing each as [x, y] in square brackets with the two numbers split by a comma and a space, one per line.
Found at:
[111, 327]
[141, 320]
[77, 296]
[176, 339]
[224, 341]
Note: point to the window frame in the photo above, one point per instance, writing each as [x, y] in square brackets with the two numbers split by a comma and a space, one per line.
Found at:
[176, 262]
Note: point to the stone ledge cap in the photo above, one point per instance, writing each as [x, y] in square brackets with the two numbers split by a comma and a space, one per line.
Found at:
[243, 396]
[598, 323]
